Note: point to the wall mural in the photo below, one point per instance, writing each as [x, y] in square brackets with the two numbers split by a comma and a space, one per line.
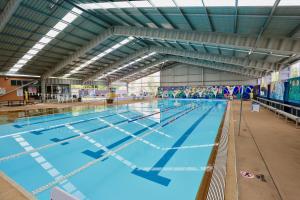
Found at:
[294, 90]
[207, 92]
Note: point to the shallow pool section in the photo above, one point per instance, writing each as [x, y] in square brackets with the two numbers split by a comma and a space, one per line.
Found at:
[153, 150]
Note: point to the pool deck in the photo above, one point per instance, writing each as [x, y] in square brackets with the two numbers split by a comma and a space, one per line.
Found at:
[269, 146]
[9, 190]
[5, 109]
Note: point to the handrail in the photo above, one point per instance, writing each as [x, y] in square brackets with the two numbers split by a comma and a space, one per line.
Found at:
[281, 105]
[284, 104]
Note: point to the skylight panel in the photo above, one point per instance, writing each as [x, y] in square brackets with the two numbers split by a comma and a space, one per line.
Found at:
[69, 17]
[60, 26]
[116, 46]
[108, 50]
[90, 6]
[289, 3]
[163, 3]
[52, 33]
[27, 56]
[32, 52]
[38, 46]
[256, 3]
[18, 65]
[22, 62]
[122, 4]
[126, 65]
[45, 40]
[141, 4]
[189, 3]
[220, 3]
[13, 70]
[107, 5]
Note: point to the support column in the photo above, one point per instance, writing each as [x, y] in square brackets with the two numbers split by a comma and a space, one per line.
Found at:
[43, 90]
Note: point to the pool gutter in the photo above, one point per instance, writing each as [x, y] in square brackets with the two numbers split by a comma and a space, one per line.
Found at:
[212, 186]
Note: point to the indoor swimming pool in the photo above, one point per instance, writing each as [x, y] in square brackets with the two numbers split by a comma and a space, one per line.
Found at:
[149, 150]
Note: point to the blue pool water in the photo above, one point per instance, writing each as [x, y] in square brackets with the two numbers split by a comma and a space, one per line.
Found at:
[155, 150]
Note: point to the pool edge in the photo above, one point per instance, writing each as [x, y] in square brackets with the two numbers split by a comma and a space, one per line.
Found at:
[216, 164]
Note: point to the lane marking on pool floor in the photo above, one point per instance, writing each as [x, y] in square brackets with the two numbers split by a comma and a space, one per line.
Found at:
[50, 145]
[55, 126]
[102, 147]
[91, 163]
[150, 128]
[154, 145]
[48, 167]
[130, 134]
[78, 137]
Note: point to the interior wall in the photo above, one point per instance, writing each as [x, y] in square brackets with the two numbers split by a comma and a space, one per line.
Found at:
[5, 84]
[189, 75]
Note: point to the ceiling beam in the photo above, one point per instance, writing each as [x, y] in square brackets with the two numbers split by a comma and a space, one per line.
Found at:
[201, 63]
[216, 66]
[8, 11]
[245, 63]
[277, 45]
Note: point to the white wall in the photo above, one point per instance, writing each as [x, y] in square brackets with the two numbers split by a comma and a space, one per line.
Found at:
[188, 75]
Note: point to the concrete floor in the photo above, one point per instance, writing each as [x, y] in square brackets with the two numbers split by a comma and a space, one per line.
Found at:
[9, 190]
[269, 146]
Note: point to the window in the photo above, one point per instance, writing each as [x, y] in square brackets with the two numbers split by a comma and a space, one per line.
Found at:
[145, 86]
[295, 70]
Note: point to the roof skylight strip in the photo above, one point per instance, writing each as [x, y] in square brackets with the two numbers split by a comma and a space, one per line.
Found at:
[100, 55]
[126, 65]
[185, 3]
[49, 36]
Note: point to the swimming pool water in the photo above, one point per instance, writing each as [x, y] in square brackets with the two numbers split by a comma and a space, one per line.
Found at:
[153, 150]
